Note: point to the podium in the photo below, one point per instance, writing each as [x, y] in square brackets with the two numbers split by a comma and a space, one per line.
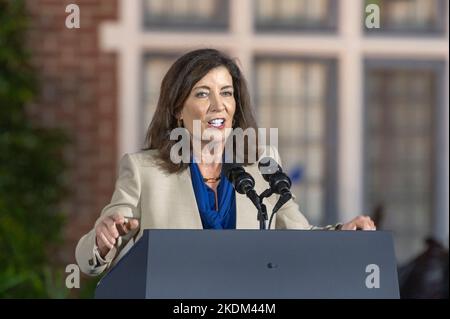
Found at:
[254, 264]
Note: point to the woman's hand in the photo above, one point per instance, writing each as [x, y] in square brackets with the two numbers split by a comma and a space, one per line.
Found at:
[109, 230]
[359, 223]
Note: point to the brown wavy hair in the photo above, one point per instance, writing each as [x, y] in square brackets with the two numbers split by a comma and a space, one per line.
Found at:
[175, 89]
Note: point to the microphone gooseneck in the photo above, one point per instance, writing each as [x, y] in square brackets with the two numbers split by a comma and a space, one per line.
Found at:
[242, 181]
[278, 181]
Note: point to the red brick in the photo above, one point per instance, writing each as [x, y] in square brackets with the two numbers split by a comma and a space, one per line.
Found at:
[78, 92]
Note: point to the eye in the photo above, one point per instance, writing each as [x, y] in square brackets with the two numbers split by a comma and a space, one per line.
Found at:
[227, 93]
[201, 94]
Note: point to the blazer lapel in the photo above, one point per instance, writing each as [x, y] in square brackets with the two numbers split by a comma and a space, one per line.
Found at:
[246, 213]
[191, 207]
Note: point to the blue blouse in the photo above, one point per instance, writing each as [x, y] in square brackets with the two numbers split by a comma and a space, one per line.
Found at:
[225, 217]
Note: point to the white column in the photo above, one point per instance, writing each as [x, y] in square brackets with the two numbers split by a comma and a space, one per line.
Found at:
[241, 25]
[122, 37]
[350, 81]
[130, 139]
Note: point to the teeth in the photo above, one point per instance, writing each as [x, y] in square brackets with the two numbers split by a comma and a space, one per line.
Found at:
[216, 122]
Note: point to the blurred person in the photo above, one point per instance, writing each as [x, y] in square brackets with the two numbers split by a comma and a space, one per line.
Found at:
[153, 192]
[426, 276]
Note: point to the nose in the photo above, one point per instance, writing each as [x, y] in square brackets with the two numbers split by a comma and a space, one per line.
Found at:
[216, 103]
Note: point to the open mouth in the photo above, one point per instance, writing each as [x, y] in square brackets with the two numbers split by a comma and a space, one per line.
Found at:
[217, 123]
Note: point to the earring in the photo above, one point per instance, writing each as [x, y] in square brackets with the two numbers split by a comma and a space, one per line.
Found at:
[180, 123]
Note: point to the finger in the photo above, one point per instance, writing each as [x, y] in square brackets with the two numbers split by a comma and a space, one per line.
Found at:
[362, 218]
[133, 224]
[105, 241]
[129, 224]
[366, 225]
[112, 229]
[349, 226]
[118, 218]
[108, 221]
[370, 223]
[122, 228]
[107, 232]
[362, 222]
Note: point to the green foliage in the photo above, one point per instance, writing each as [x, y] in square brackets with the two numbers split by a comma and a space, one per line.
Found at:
[31, 173]
[368, 2]
[88, 286]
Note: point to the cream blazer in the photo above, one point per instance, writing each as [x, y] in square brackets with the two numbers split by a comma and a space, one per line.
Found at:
[167, 201]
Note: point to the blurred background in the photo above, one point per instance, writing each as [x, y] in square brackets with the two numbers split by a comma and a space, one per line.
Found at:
[362, 115]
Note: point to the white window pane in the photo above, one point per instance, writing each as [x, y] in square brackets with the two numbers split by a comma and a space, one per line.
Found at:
[315, 203]
[294, 14]
[317, 9]
[375, 116]
[155, 69]
[293, 165]
[182, 14]
[315, 163]
[411, 16]
[398, 115]
[264, 83]
[290, 82]
[298, 124]
[419, 86]
[182, 8]
[294, 122]
[289, 9]
[265, 9]
[264, 118]
[316, 81]
[291, 158]
[401, 12]
[206, 9]
[399, 150]
[419, 151]
[419, 180]
[300, 120]
[157, 7]
[287, 121]
[316, 123]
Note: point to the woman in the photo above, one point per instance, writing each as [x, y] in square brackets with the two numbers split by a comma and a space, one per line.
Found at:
[203, 88]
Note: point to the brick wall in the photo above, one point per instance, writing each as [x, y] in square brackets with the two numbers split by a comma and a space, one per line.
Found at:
[78, 92]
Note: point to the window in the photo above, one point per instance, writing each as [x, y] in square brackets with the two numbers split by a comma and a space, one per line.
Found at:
[410, 16]
[292, 19]
[399, 155]
[183, 15]
[293, 95]
[295, 15]
[155, 67]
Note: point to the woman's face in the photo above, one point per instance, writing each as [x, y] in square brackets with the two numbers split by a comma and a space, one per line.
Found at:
[211, 102]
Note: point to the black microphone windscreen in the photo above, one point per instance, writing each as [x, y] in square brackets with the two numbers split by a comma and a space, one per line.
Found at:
[227, 168]
[268, 166]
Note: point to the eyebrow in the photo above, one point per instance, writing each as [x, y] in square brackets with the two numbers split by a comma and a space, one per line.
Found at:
[208, 88]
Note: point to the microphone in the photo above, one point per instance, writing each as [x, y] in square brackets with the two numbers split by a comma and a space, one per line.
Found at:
[242, 181]
[279, 182]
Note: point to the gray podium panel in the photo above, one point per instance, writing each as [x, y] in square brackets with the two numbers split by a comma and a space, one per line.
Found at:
[254, 264]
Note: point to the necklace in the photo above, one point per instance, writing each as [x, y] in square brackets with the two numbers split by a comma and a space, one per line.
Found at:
[211, 179]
